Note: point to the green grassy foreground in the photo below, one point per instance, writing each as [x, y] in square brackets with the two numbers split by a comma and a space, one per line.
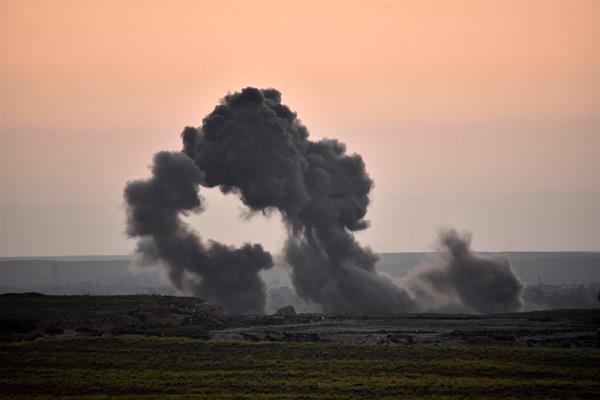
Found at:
[153, 367]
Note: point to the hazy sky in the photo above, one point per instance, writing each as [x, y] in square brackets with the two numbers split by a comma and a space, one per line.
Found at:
[482, 115]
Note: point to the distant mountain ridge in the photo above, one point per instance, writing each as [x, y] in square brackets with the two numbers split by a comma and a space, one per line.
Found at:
[574, 276]
[532, 267]
[70, 258]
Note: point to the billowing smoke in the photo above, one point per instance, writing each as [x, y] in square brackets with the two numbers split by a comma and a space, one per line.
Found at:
[218, 273]
[461, 280]
[253, 146]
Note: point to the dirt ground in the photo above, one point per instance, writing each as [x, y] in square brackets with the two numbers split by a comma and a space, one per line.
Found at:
[554, 329]
[33, 316]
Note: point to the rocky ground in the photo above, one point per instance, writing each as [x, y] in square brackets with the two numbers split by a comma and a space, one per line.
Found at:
[555, 329]
[35, 316]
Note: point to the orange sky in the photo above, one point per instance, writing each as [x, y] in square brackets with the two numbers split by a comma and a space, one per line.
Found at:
[441, 98]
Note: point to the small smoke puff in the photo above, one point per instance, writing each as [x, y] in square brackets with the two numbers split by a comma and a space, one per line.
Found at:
[464, 281]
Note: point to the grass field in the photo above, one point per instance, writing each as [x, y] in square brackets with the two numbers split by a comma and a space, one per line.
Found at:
[153, 367]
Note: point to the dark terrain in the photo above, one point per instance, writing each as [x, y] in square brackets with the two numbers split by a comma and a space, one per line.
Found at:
[31, 316]
[157, 347]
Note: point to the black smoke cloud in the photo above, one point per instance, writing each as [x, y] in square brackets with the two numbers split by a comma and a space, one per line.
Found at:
[461, 280]
[255, 147]
[216, 272]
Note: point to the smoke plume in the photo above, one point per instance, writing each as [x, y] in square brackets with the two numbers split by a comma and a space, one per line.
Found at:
[461, 280]
[255, 147]
[216, 272]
